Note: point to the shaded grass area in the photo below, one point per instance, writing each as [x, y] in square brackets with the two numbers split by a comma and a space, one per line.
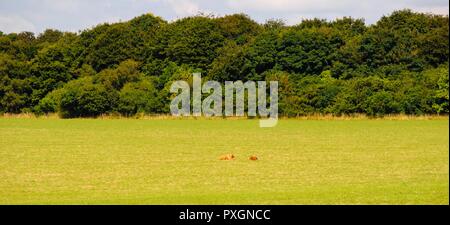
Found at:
[130, 161]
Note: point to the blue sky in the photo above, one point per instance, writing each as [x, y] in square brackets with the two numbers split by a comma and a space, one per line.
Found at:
[75, 15]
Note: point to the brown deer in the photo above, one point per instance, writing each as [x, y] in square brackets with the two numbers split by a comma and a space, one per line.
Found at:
[227, 157]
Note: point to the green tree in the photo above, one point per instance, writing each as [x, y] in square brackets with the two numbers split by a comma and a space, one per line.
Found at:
[308, 51]
[192, 41]
[138, 97]
[239, 28]
[127, 71]
[441, 93]
[83, 98]
[230, 64]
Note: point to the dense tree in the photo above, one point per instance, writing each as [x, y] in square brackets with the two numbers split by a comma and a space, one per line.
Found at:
[262, 54]
[53, 66]
[109, 44]
[83, 98]
[192, 41]
[138, 97]
[397, 65]
[239, 28]
[15, 84]
[308, 51]
[230, 64]
[127, 71]
[49, 36]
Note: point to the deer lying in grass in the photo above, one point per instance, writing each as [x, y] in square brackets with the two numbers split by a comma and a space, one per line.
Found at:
[227, 157]
[232, 157]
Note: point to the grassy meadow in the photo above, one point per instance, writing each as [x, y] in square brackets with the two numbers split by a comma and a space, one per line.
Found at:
[170, 161]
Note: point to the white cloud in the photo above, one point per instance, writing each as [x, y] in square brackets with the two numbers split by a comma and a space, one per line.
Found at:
[16, 24]
[62, 5]
[289, 5]
[371, 10]
[434, 9]
[73, 15]
[348, 6]
[184, 8]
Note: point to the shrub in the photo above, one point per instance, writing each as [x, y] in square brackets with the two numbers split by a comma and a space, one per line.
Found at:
[137, 97]
[50, 103]
[82, 98]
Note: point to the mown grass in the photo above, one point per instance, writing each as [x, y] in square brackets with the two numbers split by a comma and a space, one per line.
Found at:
[162, 161]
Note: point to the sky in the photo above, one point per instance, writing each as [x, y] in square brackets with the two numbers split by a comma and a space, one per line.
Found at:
[77, 15]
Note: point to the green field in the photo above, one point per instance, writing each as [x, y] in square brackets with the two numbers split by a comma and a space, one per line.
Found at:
[132, 161]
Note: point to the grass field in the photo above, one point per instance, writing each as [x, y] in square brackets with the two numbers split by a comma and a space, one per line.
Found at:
[129, 161]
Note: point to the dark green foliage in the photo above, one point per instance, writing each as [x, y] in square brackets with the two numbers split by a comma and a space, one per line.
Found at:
[49, 36]
[15, 85]
[83, 98]
[308, 51]
[116, 78]
[262, 54]
[239, 28]
[397, 65]
[50, 103]
[138, 97]
[109, 44]
[192, 41]
[230, 64]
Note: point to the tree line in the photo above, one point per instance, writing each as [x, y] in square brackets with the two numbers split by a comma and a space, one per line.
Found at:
[397, 65]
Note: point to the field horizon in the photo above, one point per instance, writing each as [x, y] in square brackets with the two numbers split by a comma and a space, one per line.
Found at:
[176, 161]
[318, 116]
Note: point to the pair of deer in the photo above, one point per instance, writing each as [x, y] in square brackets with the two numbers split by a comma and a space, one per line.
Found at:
[231, 157]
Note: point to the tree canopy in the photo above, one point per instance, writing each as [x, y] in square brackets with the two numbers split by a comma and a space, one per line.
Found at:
[397, 65]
